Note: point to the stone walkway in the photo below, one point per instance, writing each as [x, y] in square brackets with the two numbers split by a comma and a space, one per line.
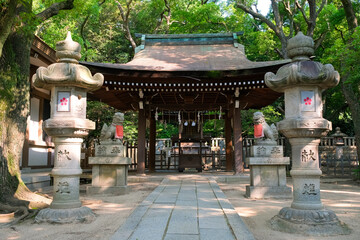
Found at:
[184, 207]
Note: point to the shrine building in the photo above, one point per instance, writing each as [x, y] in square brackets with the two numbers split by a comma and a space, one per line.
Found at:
[184, 76]
[181, 76]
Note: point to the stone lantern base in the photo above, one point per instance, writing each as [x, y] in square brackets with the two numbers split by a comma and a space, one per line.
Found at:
[267, 173]
[110, 169]
[322, 222]
[71, 215]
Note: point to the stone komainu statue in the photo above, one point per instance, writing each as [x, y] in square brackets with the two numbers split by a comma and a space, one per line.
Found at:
[268, 133]
[109, 133]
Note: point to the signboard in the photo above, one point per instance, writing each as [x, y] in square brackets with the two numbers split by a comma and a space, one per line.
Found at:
[63, 102]
[307, 101]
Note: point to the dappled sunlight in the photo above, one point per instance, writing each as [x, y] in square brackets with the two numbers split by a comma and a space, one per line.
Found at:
[340, 192]
[246, 212]
[189, 57]
[210, 213]
[345, 205]
[14, 237]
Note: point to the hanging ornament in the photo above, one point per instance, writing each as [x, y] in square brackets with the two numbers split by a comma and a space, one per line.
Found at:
[162, 117]
[220, 113]
[179, 118]
[156, 114]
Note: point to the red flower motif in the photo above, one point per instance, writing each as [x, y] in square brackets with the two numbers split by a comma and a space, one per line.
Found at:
[307, 101]
[63, 101]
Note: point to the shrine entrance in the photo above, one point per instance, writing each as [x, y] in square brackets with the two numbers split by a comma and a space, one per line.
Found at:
[185, 77]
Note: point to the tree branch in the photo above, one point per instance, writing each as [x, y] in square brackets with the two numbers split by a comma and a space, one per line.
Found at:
[258, 16]
[82, 27]
[54, 9]
[302, 11]
[319, 41]
[125, 19]
[341, 34]
[350, 14]
[276, 12]
[321, 7]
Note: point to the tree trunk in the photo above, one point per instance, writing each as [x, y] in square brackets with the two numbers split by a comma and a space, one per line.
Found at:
[350, 14]
[14, 102]
[352, 100]
[350, 92]
[7, 18]
[15, 76]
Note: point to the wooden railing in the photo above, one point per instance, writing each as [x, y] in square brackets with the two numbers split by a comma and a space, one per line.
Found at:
[331, 141]
[166, 157]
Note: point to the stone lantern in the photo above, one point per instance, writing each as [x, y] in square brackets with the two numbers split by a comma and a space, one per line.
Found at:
[303, 82]
[339, 137]
[339, 143]
[68, 82]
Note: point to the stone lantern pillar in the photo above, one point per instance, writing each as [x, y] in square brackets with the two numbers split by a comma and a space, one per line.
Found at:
[68, 82]
[302, 82]
[339, 143]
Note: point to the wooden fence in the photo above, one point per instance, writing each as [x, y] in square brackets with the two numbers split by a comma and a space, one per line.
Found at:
[214, 155]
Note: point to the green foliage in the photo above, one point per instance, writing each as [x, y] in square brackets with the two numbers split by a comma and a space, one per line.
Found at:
[344, 55]
[131, 125]
[102, 113]
[260, 45]
[356, 173]
[214, 127]
[271, 112]
[167, 130]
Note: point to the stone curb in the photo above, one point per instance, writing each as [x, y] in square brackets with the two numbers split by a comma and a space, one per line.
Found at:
[237, 225]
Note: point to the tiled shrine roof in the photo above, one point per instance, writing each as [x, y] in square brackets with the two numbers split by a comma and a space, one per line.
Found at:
[181, 72]
[189, 52]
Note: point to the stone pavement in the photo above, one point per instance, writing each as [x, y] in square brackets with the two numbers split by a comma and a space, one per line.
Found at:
[184, 207]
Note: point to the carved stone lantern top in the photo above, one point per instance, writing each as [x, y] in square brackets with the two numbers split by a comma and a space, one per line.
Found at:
[69, 83]
[338, 133]
[300, 47]
[338, 137]
[302, 71]
[68, 50]
[67, 71]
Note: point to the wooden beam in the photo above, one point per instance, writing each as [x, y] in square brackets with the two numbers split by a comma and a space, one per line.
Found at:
[228, 144]
[239, 164]
[152, 143]
[176, 99]
[216, 98]
[141, 154]
[162, 98]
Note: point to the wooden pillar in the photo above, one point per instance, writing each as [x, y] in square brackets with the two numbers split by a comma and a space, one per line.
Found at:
[228, 144]
[239, 164]
[141, 142]
[25, 151]
[152, 144]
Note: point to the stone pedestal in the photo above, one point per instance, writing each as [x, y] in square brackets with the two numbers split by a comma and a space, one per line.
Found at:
[110, 169]
[303, 82]
[69, 83]
[267, 173]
